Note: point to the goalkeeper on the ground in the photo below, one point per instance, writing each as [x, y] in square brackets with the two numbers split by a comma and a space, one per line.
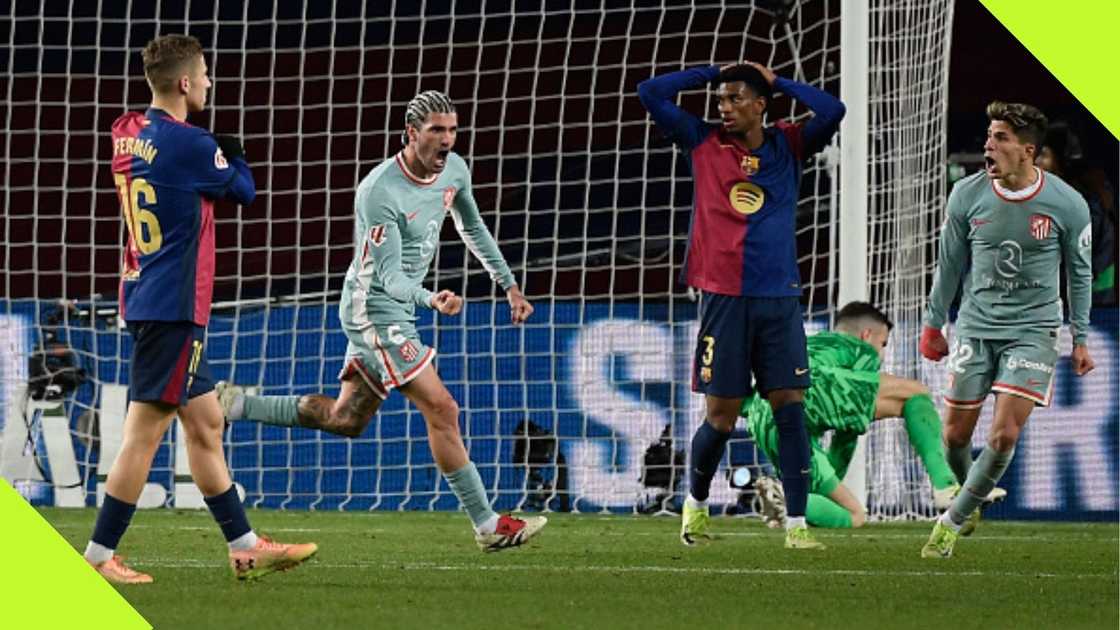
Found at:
[848, 394]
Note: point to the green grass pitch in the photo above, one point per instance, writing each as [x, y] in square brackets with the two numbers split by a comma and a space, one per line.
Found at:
[422, 570]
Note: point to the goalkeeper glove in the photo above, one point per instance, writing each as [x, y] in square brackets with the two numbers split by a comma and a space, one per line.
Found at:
[933, 345]
[230, 146]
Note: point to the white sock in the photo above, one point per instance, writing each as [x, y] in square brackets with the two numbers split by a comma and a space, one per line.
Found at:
[793, 522]
[97, 554]
[244, 542]
[694, 504]
[237, 409]
[489, 526]
[948, 521]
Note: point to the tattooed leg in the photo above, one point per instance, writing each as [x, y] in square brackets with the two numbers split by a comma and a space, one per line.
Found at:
[347, 416]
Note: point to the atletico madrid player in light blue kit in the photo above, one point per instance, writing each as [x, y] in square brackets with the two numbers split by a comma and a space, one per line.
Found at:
[168, 174]
[399, 210]
[1008, 232]
[742, 255]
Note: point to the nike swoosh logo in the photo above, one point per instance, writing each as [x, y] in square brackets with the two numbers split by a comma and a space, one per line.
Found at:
[411, 215]
[800, 371]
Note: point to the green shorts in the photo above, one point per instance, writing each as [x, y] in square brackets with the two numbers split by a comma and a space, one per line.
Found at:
[385, 356]
[1021, 367]
[822, 474]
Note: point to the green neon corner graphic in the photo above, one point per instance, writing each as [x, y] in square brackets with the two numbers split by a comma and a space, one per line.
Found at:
[1076, 42]
[47, 584]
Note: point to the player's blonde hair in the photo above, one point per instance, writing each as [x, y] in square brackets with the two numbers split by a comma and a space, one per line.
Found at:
[424, 103]
[167, 58]
[1028, 122]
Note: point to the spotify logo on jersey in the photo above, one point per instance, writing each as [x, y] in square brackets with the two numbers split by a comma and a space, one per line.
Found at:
[747, 198]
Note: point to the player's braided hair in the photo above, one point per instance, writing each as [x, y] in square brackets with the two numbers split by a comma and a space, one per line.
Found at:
[1028, 121]
[424, 103]
[165, 57]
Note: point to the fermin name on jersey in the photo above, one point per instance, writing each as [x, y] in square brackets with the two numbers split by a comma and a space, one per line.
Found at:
[142, 149]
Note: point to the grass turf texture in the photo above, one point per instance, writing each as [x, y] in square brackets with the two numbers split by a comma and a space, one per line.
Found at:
[394, 569]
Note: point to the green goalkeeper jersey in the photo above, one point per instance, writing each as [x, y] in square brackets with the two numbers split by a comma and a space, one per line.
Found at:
[1010, 252]
[845, 374]
[396, 232]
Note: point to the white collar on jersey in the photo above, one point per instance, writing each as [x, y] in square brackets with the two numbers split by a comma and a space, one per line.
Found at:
[412, 176]
[1016, 195]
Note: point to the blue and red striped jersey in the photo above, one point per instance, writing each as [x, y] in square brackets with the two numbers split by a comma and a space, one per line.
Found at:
[742, 234]
[168, 173]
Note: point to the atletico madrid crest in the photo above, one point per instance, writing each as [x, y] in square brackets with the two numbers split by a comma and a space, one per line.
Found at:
[408, 351]
[449, 197]
[1040, 226]
[749, 164]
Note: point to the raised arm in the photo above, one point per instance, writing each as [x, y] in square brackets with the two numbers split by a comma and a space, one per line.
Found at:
[659, 95]
[827, 110]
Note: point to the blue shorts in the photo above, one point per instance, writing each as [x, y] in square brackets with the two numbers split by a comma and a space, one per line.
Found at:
[740, 335]
[168, 365]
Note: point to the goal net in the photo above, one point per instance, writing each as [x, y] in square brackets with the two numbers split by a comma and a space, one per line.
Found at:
[587, 406]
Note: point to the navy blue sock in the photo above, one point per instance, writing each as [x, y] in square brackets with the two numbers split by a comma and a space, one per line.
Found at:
[230, 514]
[708, 446]
[793, 456]
[112, 521]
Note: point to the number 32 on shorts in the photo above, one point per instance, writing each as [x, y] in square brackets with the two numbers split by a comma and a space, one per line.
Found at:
[960, 354]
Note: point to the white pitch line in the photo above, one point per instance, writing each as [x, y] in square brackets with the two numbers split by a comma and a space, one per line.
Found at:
[199, 564]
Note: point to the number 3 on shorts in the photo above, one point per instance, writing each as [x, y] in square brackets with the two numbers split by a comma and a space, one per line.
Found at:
[709, 351]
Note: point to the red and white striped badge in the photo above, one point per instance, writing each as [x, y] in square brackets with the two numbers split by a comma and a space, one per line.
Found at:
[449, 197]
[377, 235]
[408, 351]
[1040, 226]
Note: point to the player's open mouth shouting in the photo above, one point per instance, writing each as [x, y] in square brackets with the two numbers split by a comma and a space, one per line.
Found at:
[990, 166]
[441, 160]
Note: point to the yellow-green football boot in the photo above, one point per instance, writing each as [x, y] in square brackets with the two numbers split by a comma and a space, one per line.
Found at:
[695, 523]
[941, 541]
[801, 538]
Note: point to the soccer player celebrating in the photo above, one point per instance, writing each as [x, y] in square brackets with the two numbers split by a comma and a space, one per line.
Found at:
[400, 207]
[848, 393]
[168, 174]
[1007, 231]
[742, 255]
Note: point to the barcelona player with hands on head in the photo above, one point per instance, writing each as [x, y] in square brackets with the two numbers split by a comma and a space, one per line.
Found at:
[742, 256]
